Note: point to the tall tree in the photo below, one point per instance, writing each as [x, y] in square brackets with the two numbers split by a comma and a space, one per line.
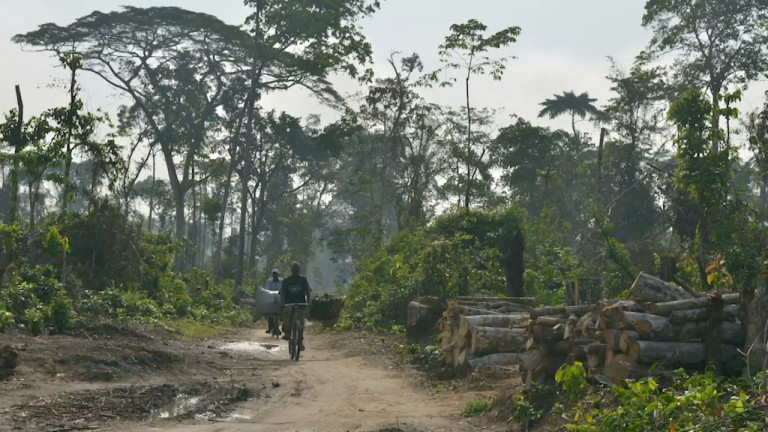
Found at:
[569, 103]
[169, 61]
[465, 49]
[296, 45]
[719, 43]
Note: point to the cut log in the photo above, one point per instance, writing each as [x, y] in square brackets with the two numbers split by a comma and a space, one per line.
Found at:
[502, 321]
[550, 320]
[561, 348]
[471, 311]
[611, 339]
[423, 316]
[626, 340]
[565, 311]
[652, 327]
[666, 308]
[730, 313]
[647, 288]
[622, 368]
[595, 355]
[547, 334]
[732, 333]
[528, 301]
[493, 340]
[615, 310]
[495, 360]
[680, 353]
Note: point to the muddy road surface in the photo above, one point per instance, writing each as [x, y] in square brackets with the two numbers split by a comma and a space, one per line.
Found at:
[125, 380]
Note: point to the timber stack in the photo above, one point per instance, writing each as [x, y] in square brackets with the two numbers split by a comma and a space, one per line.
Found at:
[664, 325]
[483, 332]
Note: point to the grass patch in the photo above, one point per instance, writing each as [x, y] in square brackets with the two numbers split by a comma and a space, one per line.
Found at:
[477, 407]
[195, 330]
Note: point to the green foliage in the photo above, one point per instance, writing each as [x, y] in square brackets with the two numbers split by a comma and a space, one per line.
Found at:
[7, 319]
[61, 313]
[457, 255]
[477, 407]
[573, 380]
[692, 403]
[35, 318]
[11, 241]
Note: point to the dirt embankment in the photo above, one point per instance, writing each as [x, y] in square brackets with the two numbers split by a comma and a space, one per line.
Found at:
[134, 380]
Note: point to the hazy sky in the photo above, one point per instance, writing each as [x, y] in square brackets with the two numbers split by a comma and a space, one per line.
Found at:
[564, 45]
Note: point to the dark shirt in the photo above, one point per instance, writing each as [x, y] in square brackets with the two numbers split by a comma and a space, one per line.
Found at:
[295, 289]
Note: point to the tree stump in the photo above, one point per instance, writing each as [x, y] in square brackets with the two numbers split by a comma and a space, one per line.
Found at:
[423, 316]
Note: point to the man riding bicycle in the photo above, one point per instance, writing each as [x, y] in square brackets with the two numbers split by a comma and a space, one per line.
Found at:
[295, 289]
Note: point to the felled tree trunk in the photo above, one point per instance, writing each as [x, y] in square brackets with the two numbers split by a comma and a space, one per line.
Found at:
[528, 301]
[561, 310]
[666, 308]
[495, 360]
[682, 353]
[622, 368]
[647, 288]
[492, 340]
[502, 321]
[730, 313]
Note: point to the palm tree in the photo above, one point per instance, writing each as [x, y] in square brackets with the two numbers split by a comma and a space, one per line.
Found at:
[568, 103]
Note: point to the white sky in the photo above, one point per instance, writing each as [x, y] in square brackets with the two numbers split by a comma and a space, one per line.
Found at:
[564, 45]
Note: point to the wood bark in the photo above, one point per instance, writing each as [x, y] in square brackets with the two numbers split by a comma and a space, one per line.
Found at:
[493, 340]
[647, 288]
[626, 340]
[466, 323]
[622, 368]
[666, 308]
[543, 333]
[528, 301]
[682, 353]
[730, 313]
[495, 360]
[562, 310]
[651, 327]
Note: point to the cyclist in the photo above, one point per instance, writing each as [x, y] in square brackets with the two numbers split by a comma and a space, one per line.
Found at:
[294, 289]
[273, 285]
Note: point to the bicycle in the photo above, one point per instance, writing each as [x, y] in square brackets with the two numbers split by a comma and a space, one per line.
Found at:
[297, 330]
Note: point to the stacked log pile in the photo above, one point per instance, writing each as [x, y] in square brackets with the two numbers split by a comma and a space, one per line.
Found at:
[664, 325]
[485, 331]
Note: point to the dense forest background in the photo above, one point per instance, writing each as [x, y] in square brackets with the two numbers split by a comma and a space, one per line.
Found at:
[179, 204]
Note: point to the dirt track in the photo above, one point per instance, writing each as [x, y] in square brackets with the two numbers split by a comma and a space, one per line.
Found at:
[335, 387]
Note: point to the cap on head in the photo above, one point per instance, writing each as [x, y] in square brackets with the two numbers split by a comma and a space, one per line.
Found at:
[295, 268]
[275, 271]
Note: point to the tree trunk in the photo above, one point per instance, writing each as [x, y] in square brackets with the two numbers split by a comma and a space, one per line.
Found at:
[469, 147]
[562, 310]
[495, 360]
[18, 145]
[647, 288]
[241, 235]
[526, 301]
[622, 368]
[628, 337]
[514, 266]
[730, 313]
[181, 228]
[152, 192]
[493, 340]
[649, 326]
[666, 308]
[467, 323]
[222, 220]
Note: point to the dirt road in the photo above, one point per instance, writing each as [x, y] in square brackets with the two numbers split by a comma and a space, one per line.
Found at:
[336, 386]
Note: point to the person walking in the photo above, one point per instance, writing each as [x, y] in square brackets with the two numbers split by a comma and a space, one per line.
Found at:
[273, 285]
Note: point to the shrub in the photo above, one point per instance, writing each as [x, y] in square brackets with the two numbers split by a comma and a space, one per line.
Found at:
[61, 313]
[6, 318]
[35, 317]
[477, 407]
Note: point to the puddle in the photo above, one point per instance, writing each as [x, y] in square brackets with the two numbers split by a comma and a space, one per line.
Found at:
[182, 405]
[251, 347]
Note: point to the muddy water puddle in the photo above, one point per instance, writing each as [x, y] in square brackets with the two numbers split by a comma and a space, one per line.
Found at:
[252, 347]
